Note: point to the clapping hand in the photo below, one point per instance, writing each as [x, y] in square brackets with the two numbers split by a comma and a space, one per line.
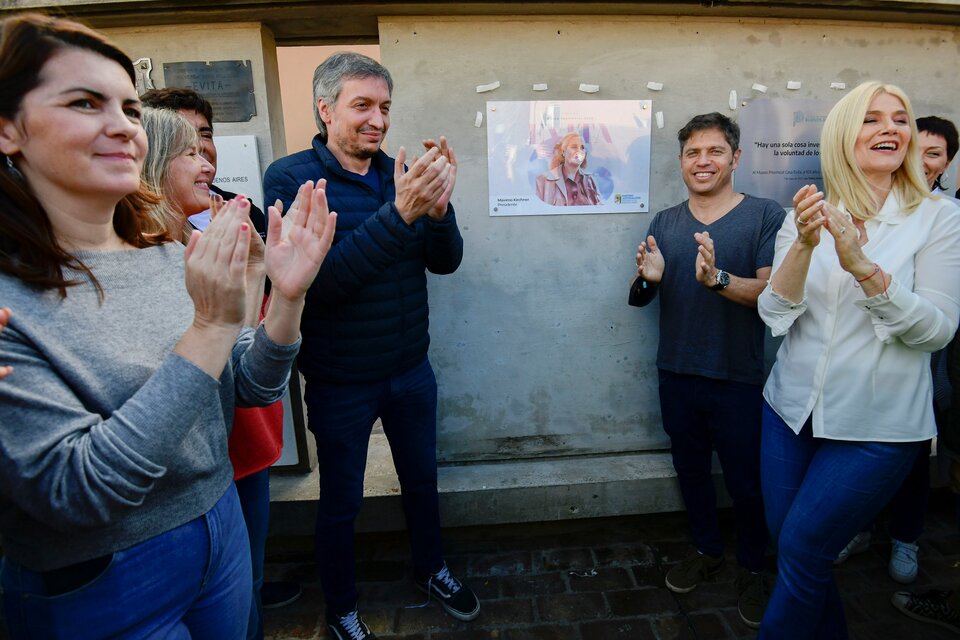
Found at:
[650, 262]
[808, 206]
[425, 188]
[294, 254]
[706, 263]
[849, 236]
[255, 267]
[439, 209]
[216, 262]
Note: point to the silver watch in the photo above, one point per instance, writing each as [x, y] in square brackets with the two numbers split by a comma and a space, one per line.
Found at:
[722, 280]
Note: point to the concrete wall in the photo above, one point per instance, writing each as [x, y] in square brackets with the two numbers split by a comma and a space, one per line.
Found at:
[237, 41]
[536, 350]
[545, 374]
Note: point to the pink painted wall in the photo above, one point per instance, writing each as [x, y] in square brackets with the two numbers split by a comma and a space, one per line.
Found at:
[296, 88]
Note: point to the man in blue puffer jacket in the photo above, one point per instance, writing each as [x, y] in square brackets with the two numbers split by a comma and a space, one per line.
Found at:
[364, 328]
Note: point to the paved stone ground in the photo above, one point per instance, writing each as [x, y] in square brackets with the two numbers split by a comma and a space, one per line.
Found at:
[592, 580]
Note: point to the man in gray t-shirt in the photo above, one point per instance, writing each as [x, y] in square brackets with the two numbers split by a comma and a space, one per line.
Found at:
[709, 258]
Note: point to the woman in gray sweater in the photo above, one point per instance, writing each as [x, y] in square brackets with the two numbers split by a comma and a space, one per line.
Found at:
[118, 514]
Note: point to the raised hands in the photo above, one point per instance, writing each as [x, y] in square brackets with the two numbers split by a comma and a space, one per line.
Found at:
[814, 213]
[255, 266]
[426, 188]
[808, 214]
[650, 262]
[4, 319]
[439, 209]
[294, 253]
[216, 262]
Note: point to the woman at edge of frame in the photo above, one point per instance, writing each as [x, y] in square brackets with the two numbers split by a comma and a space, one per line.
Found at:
[117, 508]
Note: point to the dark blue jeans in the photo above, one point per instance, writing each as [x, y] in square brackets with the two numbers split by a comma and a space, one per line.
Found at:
[818, 494]
[702, 415]
[254, 492]
[908, 507]
[341, 417]
[190, 582]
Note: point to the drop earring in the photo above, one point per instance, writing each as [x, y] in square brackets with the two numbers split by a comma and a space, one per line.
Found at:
[12, 168]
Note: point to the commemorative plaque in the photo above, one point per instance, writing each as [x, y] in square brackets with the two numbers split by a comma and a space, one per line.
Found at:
[780, 138]
[227, 84]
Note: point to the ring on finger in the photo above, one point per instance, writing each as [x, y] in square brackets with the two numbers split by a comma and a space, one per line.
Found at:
[801, 222]
[843, 230]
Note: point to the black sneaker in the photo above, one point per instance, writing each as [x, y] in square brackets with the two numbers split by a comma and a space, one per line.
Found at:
[932, 606]
[274, 595]
[349, 626]
[690, 572]
[457, 598]
[751, 598]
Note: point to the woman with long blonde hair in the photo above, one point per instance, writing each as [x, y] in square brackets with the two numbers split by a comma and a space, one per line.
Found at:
[864, 287]
[568, 183]
[175, 168]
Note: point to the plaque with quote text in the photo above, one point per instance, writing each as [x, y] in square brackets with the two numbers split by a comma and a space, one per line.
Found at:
[780, 139]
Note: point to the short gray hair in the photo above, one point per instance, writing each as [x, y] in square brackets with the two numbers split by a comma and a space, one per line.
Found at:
[329, 76]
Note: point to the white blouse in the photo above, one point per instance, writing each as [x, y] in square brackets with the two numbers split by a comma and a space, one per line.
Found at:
[861, 366]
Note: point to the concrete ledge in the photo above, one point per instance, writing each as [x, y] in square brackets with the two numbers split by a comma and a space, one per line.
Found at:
[541, 490]
[532, 490]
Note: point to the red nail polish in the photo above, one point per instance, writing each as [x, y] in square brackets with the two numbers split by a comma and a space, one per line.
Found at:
[245, 227]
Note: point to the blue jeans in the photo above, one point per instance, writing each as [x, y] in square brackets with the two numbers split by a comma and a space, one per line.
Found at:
[818, 494]
[190, 582]
[341, 417]
[254, 492]
[908, 507]
[702, 415]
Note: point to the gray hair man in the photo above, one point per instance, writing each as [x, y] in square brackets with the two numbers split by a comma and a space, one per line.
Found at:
[364, 353]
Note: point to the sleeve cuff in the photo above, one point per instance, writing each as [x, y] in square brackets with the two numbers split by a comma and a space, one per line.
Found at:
[885, 309]
[271, 364]
[266, 349]
[442, 223]
[777, 312]
[395, 222]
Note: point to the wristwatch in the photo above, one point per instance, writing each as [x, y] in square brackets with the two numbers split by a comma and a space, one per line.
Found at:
[722, 280]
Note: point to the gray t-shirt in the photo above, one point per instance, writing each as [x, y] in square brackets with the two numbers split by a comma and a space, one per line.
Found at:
[701, 332]
[107, 438]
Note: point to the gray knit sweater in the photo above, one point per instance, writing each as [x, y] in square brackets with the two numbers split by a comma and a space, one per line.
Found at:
[107, 438]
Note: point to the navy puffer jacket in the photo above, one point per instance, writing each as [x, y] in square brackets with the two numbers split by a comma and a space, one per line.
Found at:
[366, 316]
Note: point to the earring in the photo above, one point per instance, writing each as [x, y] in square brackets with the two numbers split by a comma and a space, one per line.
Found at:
[12, 168]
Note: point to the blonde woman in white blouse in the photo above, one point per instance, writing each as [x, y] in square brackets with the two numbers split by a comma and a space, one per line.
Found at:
[866, 283]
